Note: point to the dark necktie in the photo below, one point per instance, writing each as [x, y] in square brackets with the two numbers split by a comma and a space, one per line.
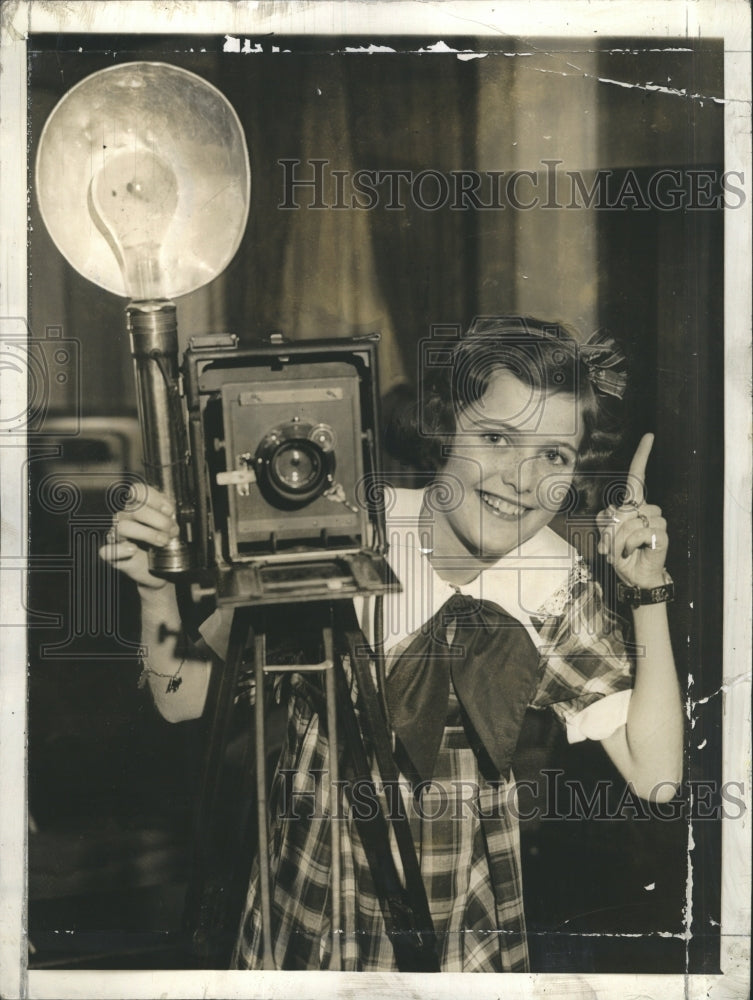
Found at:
[492, 664]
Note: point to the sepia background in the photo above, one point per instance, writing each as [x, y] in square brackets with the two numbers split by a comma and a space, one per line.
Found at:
[110, 784]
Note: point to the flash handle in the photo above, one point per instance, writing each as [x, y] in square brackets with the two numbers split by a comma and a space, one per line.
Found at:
[153, 330]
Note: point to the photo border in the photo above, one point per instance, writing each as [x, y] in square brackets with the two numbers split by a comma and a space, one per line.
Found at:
[730, 20]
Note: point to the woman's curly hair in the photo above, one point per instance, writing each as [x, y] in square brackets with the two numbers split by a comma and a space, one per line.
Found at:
[546, 356]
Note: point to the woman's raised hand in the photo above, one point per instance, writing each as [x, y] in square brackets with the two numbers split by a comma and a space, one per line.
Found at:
[633, 537]
[148, 518]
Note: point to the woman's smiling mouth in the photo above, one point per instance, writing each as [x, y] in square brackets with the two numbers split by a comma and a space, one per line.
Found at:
[501, 507]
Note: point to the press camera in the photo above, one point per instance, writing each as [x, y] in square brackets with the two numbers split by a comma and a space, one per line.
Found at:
[284, 460]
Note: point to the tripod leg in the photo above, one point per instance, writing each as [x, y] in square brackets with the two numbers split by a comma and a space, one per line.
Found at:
[261, 798]
[326, 666]
[203, 912]
[331, 693]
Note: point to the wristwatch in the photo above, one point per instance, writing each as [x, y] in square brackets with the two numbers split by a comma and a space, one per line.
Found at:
[637, 597]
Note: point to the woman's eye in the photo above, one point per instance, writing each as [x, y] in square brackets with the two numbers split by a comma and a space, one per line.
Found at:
[555, 457]
[493, 438]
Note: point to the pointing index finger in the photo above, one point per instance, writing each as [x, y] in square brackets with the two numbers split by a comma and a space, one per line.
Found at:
[636, 483]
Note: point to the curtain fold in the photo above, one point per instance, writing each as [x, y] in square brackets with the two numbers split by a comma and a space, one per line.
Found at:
[329, 273]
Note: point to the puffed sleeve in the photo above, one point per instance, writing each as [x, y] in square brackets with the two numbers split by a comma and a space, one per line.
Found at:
[587, 675]
[215, 631]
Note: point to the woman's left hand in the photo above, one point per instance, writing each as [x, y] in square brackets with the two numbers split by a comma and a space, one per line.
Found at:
[633, 537]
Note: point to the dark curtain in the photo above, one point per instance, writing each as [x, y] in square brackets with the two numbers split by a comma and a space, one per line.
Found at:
[661, 283]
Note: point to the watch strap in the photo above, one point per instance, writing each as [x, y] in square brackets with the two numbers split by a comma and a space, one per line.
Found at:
[637, 597]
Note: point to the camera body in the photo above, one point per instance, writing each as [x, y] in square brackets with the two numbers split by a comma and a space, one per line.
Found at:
[284, 445]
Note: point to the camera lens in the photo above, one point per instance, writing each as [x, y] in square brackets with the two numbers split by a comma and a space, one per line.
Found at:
[292, 466]
[296, 465]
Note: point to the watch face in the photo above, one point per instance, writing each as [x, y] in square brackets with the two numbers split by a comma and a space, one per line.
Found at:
[636, 597]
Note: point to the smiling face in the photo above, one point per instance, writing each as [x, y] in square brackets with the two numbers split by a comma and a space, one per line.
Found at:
[512, 459]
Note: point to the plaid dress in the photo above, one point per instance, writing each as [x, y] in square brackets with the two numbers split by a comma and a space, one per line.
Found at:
[464, 823]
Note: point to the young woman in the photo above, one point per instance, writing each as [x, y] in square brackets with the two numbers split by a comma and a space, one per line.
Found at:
[498, 614]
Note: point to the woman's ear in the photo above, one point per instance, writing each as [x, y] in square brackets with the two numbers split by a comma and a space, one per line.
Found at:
[441, 450]
[585, 493]
[571, 498]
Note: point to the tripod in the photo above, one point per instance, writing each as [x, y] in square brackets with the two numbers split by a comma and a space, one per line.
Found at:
[404, 906]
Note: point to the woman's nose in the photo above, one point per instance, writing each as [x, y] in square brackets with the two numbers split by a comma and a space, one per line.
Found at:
[516, 468]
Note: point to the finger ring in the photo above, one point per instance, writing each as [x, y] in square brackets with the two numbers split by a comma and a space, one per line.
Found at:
[111, 537]
[653, 541]
[644, 520]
